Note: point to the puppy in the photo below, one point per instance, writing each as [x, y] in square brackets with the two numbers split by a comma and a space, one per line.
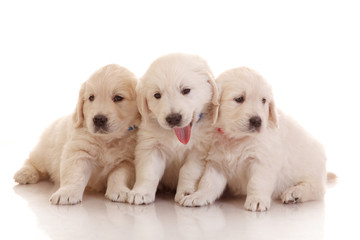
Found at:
[93, 147]
[178, 99]
[257, 150]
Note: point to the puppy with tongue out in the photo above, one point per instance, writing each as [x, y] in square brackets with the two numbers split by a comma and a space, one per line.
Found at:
[178, 101]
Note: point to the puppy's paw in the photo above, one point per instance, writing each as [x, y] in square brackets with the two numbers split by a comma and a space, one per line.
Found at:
[291, 195]
[181, 194]
[257, 203]
[26, 175]
[139, 198]
[66, 196]
[196, 200]
[117, 196]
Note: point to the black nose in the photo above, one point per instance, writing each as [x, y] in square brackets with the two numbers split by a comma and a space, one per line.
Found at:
[255, 122]
[100, 120]
[173, 119]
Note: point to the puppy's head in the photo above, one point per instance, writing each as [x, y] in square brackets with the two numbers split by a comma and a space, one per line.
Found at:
[175, 91]
[107, 102]
[247, 104]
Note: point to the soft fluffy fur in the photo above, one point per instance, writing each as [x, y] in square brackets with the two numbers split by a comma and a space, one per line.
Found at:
[159, 155]
[76, 153]
[276, 160]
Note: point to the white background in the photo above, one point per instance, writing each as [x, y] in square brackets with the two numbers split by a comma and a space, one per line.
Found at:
[309, 51]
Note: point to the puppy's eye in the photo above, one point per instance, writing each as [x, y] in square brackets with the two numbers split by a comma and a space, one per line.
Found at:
[263, 100]
[185, 91]
[118, 98]
[91, 98]
[157, 95]
[239, 99]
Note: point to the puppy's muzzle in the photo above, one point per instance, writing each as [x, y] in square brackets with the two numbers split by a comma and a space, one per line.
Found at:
[173, 119]
[100, 121]
[255, 122]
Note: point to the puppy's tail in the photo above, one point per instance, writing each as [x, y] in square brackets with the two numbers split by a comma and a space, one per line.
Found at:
[331, 177]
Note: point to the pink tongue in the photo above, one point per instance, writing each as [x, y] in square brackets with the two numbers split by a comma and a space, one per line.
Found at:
[183, 134]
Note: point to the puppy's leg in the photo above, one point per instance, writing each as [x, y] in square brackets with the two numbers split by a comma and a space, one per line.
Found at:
[34, 168]
[27, 174]
[149, 167]
[302, 192]
[190, 174]
[120, 181]
[74, 176]
[260, 187]
[211, 186]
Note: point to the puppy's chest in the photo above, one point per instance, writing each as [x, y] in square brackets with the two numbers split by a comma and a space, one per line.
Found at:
[115, 152]
[234, 158]
[175, 154]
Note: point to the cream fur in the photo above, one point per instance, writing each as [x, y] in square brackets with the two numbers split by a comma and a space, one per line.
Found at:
[74, 154]
[280, 160]
[159, 155]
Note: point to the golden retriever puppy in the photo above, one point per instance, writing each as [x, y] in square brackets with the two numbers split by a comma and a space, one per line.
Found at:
[93, 147]
[177, 98]
[257, 150]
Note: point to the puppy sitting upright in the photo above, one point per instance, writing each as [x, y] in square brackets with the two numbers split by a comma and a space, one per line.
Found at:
[94, 147]
[177, 98]
[257, 150]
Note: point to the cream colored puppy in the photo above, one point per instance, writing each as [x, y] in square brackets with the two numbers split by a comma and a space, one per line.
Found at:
[93, 147]
[177, 98]
[257, 150]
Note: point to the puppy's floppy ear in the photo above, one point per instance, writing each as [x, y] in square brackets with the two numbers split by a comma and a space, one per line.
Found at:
[214, 99]
[78, 116]
[218, 110]
[142, 102]
[273, 116]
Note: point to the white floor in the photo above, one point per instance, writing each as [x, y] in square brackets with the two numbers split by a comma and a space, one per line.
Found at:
[27, 213]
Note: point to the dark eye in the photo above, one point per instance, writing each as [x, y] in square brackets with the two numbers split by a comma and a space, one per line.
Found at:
[91, 98]
[185, 91]
[239, 99]
[117, 98]
[157, 95]
[263, 100]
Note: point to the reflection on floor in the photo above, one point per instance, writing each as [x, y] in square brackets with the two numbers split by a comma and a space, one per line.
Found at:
[96, 218]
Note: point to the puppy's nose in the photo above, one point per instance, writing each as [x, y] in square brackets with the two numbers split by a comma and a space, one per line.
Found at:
[173, 119]
[255, 122]
[100, 120]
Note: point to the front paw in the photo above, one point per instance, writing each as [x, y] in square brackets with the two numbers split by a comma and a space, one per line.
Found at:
[181, 194]
[195, 200]
[139, 198]
[257, 203]
[120, 195]
[66, 196]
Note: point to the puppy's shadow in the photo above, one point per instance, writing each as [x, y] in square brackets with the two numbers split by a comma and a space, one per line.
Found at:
[139, 222]
[87, 220]
[36, 193]
[281, 221]
[96, 218]
[205, 222]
